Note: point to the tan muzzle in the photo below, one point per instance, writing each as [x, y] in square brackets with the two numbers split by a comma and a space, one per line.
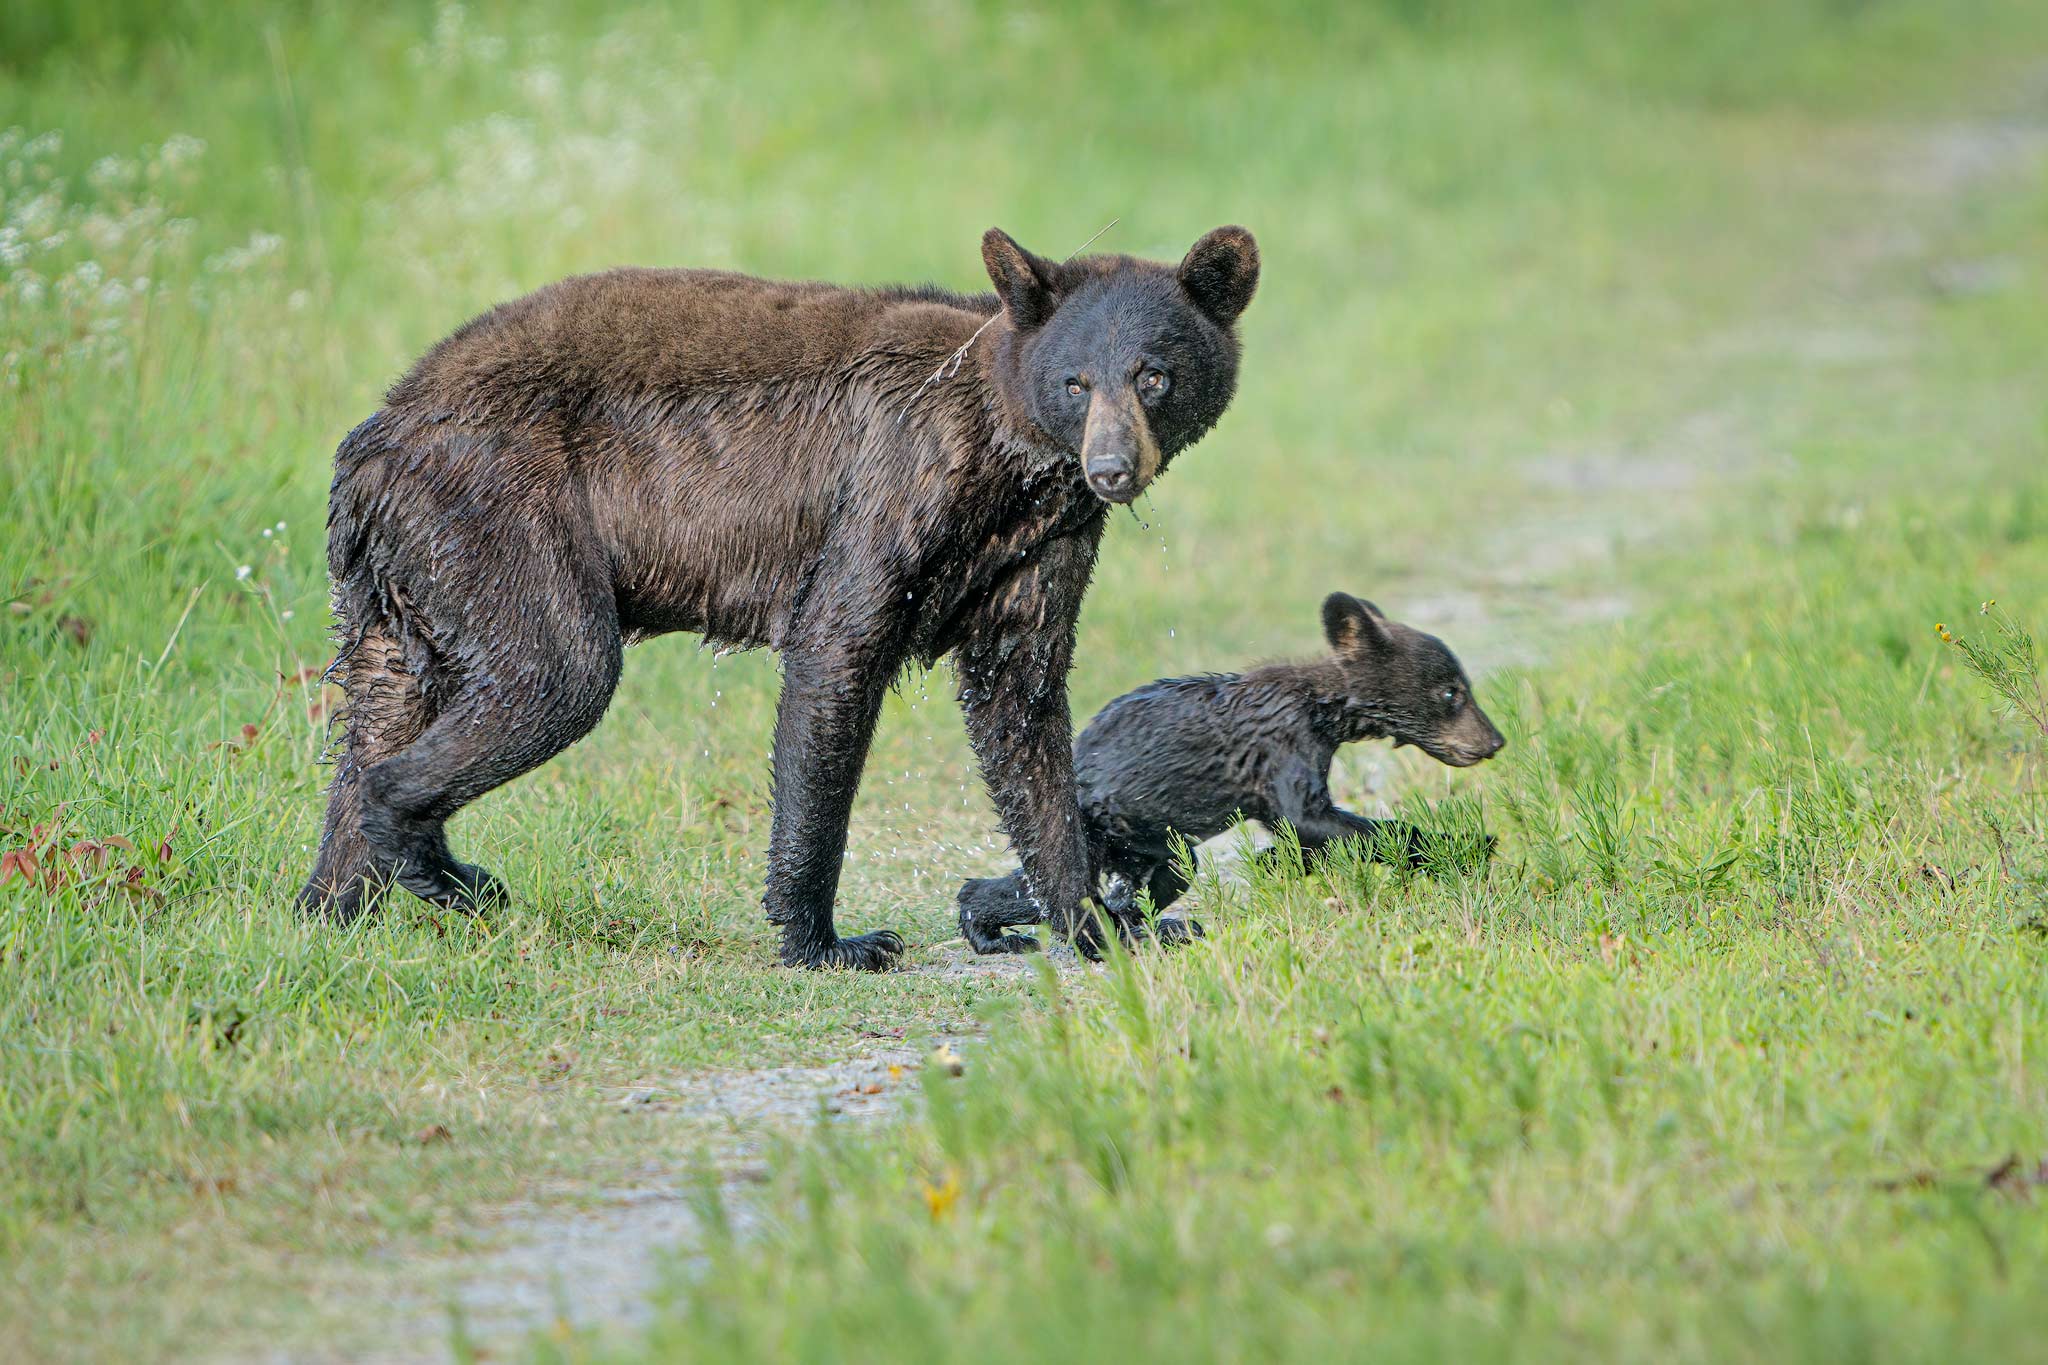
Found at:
[1118, 454]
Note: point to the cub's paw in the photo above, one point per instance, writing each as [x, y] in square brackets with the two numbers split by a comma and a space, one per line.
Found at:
[1168, 931]
[876, 952]
[988, 945]
[475, 891]
[1087, 934]
[984, 914]
[1456, 853]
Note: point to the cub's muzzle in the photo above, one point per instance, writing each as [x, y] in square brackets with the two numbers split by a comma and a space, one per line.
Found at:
[1118, 454]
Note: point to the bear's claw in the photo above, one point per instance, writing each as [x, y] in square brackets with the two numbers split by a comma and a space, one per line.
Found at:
[876, 952]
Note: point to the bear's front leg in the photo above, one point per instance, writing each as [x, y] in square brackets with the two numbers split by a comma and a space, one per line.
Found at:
[832, 687]
[1013, 691]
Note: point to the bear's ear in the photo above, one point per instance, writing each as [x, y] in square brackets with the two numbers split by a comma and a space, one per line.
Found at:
[1024, 282]
[1353, 625]
[1221, 273]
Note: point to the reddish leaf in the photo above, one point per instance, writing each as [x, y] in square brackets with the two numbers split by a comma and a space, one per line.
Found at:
[17, 862]
[85, 850]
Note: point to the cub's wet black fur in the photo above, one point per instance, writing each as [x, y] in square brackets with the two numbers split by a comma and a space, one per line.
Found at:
[765, 463]
[1188, 756]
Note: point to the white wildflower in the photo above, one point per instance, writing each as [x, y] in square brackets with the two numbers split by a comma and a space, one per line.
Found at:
[179, 150]
[542, 84]
[38, 216]
[102, 232]
[111, 172]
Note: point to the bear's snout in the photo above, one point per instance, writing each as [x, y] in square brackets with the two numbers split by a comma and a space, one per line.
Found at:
[1112, 479]
[1473, 738]
[1118, 455]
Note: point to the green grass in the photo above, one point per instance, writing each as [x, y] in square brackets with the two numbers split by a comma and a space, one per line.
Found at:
[1605, 300]
[1722, 1063]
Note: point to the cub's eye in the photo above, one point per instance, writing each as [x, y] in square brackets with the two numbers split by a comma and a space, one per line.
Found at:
[1452, 696]
[1074, 387]
[1154, 382]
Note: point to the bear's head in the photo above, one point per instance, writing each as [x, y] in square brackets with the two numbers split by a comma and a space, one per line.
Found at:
[1122, 362]
[1406, 685]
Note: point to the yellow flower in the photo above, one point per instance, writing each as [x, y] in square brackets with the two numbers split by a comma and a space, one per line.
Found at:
[940, 1198]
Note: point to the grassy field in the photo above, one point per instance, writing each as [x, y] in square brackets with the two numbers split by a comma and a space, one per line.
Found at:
[1679, 364]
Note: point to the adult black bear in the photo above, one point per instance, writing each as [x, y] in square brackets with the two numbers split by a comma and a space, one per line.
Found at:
[1188, 757]
[855, 477]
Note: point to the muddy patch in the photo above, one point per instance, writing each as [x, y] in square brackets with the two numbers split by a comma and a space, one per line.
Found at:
[573, 1259]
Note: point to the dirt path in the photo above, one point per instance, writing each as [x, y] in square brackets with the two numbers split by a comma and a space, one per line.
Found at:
[592, 1259]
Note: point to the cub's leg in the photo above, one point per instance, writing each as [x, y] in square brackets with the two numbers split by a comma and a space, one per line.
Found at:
[1169, 883]
[989, 905]
[1303, 797]
[1127, 875]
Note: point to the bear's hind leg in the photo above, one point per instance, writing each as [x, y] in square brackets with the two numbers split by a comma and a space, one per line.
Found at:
[387, 709]
[542, 685]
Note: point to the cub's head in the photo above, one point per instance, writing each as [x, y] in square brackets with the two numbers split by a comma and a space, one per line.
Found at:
[1407, 684]
[1122, 362]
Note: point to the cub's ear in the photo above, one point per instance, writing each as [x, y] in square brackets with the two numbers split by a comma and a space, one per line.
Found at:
[1352, 625]
[1221, 273]
[1024, 282]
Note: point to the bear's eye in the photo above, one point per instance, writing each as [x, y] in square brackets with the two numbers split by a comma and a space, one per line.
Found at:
[1074, 387]
[1154, 382]
[1451, 696]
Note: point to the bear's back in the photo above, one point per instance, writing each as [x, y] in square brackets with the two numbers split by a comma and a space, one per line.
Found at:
[634, 330]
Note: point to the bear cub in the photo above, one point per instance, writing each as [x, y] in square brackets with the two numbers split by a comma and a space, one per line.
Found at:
[1188, 756]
